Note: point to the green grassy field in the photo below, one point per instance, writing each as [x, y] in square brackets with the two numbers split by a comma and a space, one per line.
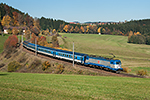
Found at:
[55, 87]
[131, 55]
[2, 41]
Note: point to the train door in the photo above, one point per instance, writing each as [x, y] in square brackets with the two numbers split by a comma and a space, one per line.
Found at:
[54, 54]
[82, 60]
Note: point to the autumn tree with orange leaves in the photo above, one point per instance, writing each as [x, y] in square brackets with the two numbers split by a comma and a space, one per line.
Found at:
[65, 28]
[15, 19]
[10, 43]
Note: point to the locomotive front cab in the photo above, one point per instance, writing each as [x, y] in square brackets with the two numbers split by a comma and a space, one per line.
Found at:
[117, 64]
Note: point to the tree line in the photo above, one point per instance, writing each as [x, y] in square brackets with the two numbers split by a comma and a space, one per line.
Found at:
[13, 17]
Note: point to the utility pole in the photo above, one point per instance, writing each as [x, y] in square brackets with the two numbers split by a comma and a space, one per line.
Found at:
[73, 53]
[22, 41]
[35, 47]
[30, 35]
[19, 38]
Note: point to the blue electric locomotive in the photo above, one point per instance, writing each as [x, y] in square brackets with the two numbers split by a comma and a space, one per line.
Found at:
[111, 64]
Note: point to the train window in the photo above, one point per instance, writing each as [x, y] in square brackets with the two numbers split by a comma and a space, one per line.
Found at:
[76, 57]
[117, 62]
[69, 56]
[63, 54]
[111, 62]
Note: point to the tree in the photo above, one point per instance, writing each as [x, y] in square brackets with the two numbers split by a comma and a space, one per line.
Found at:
[21, 20]
[42, 41]
[32, 40]
[76, 29]
[130, 34]
[65, 28]
[15, 19]
[55, 41]
[46, 32]
[11, 43]
[36, 28]
[27, 34]
[15, 31]
[103, 30]
[99, 30]
[61, 27]
[82, 29]
[71, 29]
[87, 29]
[6, 21]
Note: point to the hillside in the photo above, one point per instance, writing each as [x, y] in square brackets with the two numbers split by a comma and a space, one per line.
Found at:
[131, 55]
[134, 56]
[34, 64]
[2, 41]
[142, 26]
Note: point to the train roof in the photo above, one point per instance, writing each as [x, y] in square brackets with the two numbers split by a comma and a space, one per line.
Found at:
[58, 50]
[76, 53]
[104, 58]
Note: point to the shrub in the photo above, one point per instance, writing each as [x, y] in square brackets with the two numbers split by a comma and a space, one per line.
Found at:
[126, 69]
[80, 72]
[35, 63]
[59, 69]
[142, 72]
[2, 65]
[45, 65]
[13, 66]
[11, 42]
[22, 59]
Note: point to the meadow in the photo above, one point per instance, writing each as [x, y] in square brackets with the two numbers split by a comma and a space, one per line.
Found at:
[55, 87]
[131, 55]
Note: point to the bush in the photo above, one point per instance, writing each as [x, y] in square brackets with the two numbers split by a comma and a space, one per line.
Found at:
[11, 42]
[126, 69]
[22, 59]
[2, 65]
[35, 63]
[142, 72]
[60, 69]
[45, 65]
[80, 72]
[13, 66]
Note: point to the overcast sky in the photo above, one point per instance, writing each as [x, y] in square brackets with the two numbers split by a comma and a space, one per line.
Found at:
[84, 10]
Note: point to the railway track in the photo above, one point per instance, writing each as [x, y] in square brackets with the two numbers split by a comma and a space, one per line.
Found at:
[104, 72]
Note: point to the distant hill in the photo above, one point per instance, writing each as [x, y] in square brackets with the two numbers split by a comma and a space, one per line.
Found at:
[142, 26]
[44, 22]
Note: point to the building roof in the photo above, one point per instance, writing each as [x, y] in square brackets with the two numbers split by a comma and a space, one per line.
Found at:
[11, 27]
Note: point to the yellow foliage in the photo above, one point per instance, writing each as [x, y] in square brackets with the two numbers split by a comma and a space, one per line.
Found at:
[15, 31]
[65, 28]
[54, 31]
[99, 30]
[126, 69]
[6, 20]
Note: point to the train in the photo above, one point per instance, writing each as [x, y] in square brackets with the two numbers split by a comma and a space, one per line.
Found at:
[81, 58]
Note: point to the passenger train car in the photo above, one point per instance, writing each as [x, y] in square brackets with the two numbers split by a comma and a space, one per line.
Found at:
[101, 62]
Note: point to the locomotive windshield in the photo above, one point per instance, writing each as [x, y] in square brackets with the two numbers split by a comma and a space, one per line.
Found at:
[118, 63]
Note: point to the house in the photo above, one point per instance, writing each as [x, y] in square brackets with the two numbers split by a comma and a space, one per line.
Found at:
[11, 27]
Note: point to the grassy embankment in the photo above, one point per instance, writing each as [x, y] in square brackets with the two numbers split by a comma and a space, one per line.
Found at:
[131, 55]
[2, 41]
[55, 87]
